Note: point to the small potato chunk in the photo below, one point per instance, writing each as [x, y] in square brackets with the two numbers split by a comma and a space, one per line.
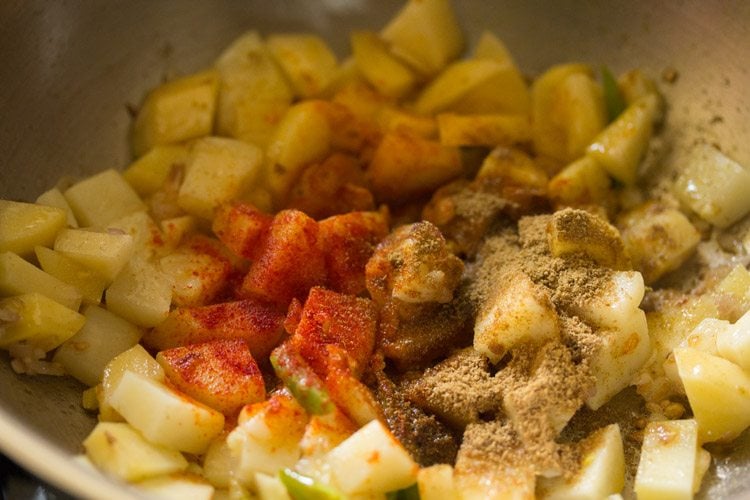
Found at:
[483, 130]
[105, 335]
[518, 312]
[221, 374]
[668, 461]
[90, 284]
[573, 231]
[733, 342]
[55, 198]
[307, 61]
[657, 239]
[176, 111]
[383, 71]
[102, 198]
[425, 34]
[405, 166]
[714, 186]
[136, 360]
[580, 184]
[38, 320]
[26, 225]
[256, 323]
[147, 174]
[164, 416]
[436, 482]
[141, 293]
[241, 227]
[219, 170]
[121, 450]
[105, 253]
[371, 461]
[18, 276]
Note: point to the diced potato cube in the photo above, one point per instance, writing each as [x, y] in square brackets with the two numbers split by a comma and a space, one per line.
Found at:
[704, 338]
[572, 231]
[104, 253]
[325, 432]
[121, 450]
[379, 67]
[253, 93]
[714, 186]
[620, 147]
[218, 463]
[657, 239]
[175, 229]
[601, 472]
[176, 111]
[176, 488]
[307, 61]
[436, 482]
[90, 284]
[718, 392]
[403, 122]
[567, 111]
[148, 240]
[136, 360]
[506, 165]
[55, 198]
[26, 225]
[734, 288]
[197, 276]
[165, 416]
[267, 437]
[518, 312]
[581, 183]
[668, 455]
[18, 276]
[371, 461]
[88, 352]
[38, 320]
[733, 342]
[405, 166]
[102, 198]
[141, 293]
[270, 487]
[425, 34]
[219, 170]
[303, 137]
[149, 172]
[483, 130]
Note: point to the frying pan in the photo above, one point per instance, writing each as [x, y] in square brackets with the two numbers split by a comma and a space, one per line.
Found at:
[69, 71]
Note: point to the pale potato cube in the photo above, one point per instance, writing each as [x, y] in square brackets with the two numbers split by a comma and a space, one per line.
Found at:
[176, 488]
[383, 71]
[18, 276]
[26, 225]
[581, 183]
[325, 432]
[55, 198]
[102, 198]
[704, 338]
[149, 172]
[601, 472]
[483, 130]
[38, 320]
[733, 342]
[307, 61]
[714, 186]
[270, 487]
[104, 336]
[219, 170]
[425, 34]
[88, 282]
[120, 450]
[436, 482]
[572, 232]
[141, 293]
[658, 239]
[303, 137]
[718, 392]
[620, 147]
[176, 111]
[165, 416]
[614, 307]
[135, 359]
[371, 461]
[518, 312]
[218, 463]
[267, 437]
[148, 240]
[253, 93]
[668, 461]
[104, 253]
[735, 288]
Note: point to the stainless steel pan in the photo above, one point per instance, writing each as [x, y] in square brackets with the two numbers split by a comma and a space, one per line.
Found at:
[69, 70]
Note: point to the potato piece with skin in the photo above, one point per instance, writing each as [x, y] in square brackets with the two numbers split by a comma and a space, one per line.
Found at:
[219, 170]
[104, 253]
[276, 275]
[221, 374]
[258, 324]
[572, 231]
[55, 198]
[18, 277]
[405, 166]
[104, 335]
[37, 320]
[176, 111]
[306, 59]
[121, 450]
[657, 239]
[383, 71]
[24, 226]
[150, 171]
[141, 293]
[483, 130]
[102, 198]
[165, 416]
